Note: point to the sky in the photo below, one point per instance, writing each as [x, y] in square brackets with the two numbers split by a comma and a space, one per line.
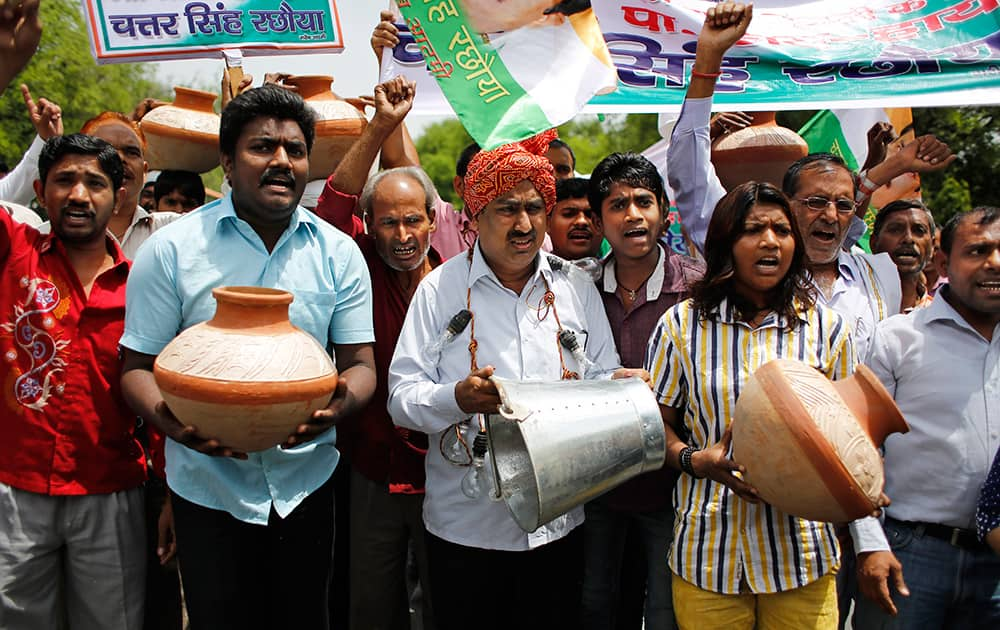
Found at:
[354, 71]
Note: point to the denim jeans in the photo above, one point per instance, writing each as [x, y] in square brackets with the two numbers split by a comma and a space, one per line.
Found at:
[604, 542]
[949, 587]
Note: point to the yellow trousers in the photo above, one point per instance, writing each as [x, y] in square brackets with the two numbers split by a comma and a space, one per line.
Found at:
[813, 606]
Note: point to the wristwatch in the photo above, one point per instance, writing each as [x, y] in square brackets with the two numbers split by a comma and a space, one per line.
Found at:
[685, 461]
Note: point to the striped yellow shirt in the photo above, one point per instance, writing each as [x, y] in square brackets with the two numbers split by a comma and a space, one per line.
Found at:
[700, 365]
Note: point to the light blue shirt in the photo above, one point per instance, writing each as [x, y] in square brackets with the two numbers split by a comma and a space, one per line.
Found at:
[170, 289]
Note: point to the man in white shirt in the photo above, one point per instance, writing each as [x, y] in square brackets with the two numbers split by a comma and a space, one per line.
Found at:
[484, 570]
[942, 365]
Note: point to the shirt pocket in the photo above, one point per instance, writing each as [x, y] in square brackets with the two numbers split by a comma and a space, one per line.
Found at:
[312, 311]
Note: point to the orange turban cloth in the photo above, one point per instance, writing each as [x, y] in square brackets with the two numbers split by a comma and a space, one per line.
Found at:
[496, 172]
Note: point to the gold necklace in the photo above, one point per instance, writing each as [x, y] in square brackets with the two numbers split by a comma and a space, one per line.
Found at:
[632, 294]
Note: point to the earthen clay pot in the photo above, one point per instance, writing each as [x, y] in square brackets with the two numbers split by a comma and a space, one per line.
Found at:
[246, 377]
[761, 152]
[810, 445]
[338, 123]
[183, 135]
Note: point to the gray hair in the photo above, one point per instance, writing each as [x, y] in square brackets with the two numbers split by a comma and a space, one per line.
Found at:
[413, 172]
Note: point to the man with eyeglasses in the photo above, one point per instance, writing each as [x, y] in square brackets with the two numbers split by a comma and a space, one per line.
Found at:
[825, 196]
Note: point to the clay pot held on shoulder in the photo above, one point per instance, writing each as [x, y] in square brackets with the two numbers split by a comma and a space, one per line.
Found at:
[338, 123]
[810, 445]
[761, 152]
[246, 377]
[183, 135]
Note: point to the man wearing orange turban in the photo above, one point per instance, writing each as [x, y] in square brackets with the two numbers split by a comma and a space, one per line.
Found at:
[484, 569]
[497, 172]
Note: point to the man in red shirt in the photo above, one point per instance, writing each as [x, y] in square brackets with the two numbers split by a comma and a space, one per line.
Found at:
[387, 477]
[71, 470]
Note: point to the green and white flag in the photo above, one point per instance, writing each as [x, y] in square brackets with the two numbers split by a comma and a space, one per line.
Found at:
[842, 132]
[508, 86]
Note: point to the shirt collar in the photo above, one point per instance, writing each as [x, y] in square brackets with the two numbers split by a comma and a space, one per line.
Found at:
[479, 268]
[727, 314]
[140, 215]
[50, 243]
[845, 265]
[657, 282]
[941, 310]
[227, 213]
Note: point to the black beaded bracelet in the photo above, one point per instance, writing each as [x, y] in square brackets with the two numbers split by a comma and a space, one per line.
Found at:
[685, 461]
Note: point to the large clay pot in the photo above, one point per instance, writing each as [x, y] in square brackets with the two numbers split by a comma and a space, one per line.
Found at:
[338, 123]
[810, 445]
[246, 377]
[761, 152]
[183, 135]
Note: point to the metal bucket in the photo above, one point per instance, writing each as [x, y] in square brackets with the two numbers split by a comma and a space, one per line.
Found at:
[557, 445]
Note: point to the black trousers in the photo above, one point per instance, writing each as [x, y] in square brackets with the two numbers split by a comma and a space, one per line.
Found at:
[244, 576]
[163, 585]
[501, 590]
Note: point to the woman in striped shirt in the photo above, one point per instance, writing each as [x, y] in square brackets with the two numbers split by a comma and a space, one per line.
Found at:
[738, 562]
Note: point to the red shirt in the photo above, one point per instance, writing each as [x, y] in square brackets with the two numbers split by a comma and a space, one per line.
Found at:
[378, 449]
[66, 428]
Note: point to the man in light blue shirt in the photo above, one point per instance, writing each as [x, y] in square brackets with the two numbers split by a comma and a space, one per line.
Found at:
[254, 530]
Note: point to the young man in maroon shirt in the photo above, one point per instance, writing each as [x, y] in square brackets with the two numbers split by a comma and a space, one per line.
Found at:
[641, 279]
[71, 470]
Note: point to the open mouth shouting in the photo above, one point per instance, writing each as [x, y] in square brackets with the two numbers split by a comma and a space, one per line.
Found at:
[906, 256]
[636, 233]
[74, 216]
[826, 236]
[522, 241]
[767, 265]
[580, 236]
[281, 182]
[404, 251]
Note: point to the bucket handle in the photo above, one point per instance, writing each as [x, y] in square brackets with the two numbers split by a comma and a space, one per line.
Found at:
[509, 409]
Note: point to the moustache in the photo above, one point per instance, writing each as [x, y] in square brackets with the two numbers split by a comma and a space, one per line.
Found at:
[519, 234]
[278, 176]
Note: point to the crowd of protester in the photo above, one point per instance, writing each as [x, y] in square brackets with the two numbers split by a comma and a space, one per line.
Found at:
[116, 515]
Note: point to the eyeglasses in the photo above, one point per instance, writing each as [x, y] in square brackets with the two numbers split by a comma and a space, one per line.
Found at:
[843, 205]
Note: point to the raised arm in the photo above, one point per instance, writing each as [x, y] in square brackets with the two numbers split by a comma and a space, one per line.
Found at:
[689, 166]
[393, 100]
[921, 155]
[46, 118]
[398, 148]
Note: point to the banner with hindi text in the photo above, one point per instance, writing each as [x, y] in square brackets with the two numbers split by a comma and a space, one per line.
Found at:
[810, 55]
[797, 54]
[130, 31]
